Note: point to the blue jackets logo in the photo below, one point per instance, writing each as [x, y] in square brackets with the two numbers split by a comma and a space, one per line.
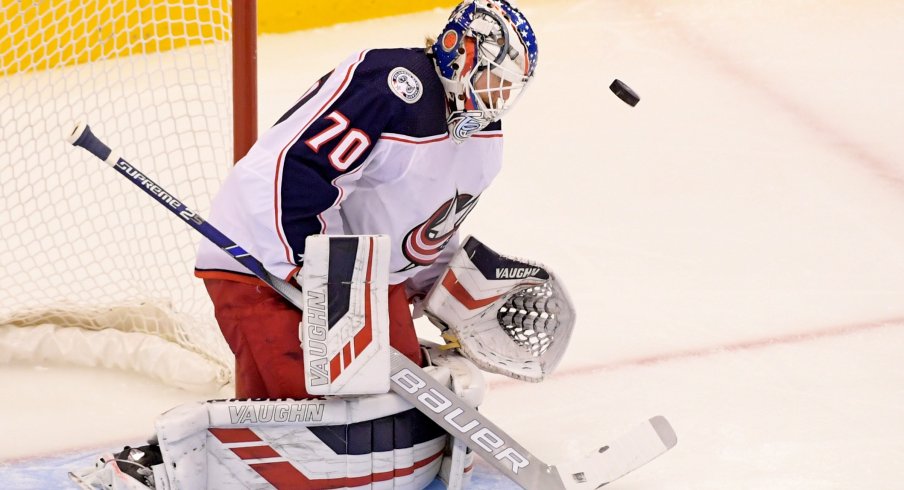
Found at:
[424, 243]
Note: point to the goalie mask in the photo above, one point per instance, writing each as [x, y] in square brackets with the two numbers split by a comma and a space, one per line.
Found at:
[485, 57]
[508, 316]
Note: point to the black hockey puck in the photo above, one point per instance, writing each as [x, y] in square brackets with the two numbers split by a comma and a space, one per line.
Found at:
[624, 92]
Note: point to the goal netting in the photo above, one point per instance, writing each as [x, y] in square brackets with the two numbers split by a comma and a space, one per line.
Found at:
[93, 271]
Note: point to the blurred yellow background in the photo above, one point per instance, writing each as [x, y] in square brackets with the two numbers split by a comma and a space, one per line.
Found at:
[50, 33]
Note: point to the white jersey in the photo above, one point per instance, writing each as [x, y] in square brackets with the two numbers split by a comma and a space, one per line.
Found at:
[364, 151]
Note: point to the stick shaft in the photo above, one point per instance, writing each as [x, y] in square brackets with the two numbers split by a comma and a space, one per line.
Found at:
[84, 138]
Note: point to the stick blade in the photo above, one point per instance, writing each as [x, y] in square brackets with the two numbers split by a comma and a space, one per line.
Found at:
[664, 429]
[643, 444]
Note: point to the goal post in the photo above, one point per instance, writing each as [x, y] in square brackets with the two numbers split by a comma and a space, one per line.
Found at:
[244, 76]
[85, 279]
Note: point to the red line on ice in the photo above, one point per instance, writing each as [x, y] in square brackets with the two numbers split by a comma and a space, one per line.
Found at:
[702, 352]
[831, 136]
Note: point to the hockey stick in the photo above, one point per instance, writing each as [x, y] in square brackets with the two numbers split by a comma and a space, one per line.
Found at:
[640, 446]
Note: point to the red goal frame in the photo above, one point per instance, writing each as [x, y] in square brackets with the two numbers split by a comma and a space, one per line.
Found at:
[244, 76]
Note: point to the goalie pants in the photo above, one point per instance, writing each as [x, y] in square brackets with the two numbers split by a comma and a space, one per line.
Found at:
[261, 328]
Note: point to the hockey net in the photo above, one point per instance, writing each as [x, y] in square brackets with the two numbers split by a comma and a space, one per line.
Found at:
[93, 271]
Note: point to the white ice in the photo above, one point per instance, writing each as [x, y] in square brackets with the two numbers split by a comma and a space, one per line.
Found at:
[733, 244]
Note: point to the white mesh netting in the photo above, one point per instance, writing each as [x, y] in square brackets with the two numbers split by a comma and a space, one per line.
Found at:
[81, 247]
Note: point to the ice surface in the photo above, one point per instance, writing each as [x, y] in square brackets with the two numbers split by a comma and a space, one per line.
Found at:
[733, 244]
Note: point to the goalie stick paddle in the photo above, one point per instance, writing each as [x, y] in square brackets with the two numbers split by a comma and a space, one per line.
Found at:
[408, 380]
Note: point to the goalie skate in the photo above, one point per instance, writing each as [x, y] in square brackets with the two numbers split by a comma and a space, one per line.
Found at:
[131, 469]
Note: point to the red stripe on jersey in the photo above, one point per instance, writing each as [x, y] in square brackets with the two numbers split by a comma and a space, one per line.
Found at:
[414, 141]
[229, 436]
[401, 138]
[229, 276]
[320, 218]
[450, 282]
[281, 158]
[291, 274]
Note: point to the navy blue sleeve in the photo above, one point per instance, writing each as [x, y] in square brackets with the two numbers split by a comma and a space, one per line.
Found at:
[345, 114]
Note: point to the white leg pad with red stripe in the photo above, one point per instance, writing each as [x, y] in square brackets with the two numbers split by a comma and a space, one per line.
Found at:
[373, 442]
[345, 331]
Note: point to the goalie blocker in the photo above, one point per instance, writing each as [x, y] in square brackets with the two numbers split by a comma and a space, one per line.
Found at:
[345, 327]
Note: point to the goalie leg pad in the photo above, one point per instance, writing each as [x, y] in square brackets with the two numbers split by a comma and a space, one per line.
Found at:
[130, 469]
[378, 441]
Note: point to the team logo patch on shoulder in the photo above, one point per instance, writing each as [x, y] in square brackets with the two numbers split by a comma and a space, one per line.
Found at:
[405, 84]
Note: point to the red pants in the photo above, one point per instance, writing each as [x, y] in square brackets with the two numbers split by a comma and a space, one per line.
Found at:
[261, 328]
